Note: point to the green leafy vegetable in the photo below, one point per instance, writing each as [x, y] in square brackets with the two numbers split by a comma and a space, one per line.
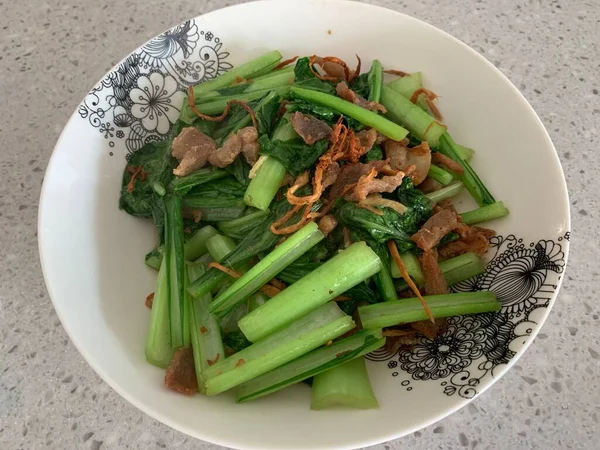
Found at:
[259, 239]
[299, 269]
[375, 154]
[390, 225]
[182, 185]
[222, 193]
[410, 310]
[156, 165]
[361, 85]
[176, 271]
[265, 110]
[240, 170]
[286, 344]
[305, 78]
[345, 270]
[295, 155]
[236, 341]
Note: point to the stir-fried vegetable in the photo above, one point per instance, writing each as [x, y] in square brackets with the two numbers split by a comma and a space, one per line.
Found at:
[289, 197]
[343, 271]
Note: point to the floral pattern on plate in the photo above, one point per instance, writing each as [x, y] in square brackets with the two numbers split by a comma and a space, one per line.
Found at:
[141, 98]
[524, 278]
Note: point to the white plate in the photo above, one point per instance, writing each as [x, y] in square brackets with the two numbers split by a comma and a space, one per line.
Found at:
[92, 253]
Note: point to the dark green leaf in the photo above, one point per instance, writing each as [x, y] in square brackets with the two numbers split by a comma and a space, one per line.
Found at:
[361, 85]
[375, 154]
[155, 159]
[228, 187]
[390, 225]
[302, 70]
[223, 193]
[305, 78]
[266, 110]
[294, 154]
[323, 113]
[240, 170]
[236, 341]
[420, 207]
[182, 185]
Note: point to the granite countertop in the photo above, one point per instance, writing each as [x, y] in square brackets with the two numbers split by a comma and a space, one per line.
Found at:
[54, 51]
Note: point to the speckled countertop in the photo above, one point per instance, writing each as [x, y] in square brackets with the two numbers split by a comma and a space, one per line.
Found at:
[53, 51]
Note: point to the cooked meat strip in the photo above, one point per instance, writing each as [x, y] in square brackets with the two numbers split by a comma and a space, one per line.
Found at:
[310, 128]
[402, 158]
[445, 203]
[367, 139]
[406, 336]
[445, 161]
[388, 183]
[334, 70]
[436, 227]
[381, 138]
[430, 185]
[350, 174]
[327, 224]
[192, 148]
[435, 283]
[331, 174]
[250, 147]
[193, 214]
[379, 202]
[349, 95]
[245, 140]
[395, 343]
[472, 239]
[181, 374]
[428, 329]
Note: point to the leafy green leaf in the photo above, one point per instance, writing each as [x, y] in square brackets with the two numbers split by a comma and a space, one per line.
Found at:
[323, 113]
[294, 154]
[302, 70]
[305, 78]
[420, 207]
[240, 170]
[375, 154]
[266, 110]
[236, 341]
[222, 193]
[390, 225]
[182, 185]
[157, 165]
[361, 85]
